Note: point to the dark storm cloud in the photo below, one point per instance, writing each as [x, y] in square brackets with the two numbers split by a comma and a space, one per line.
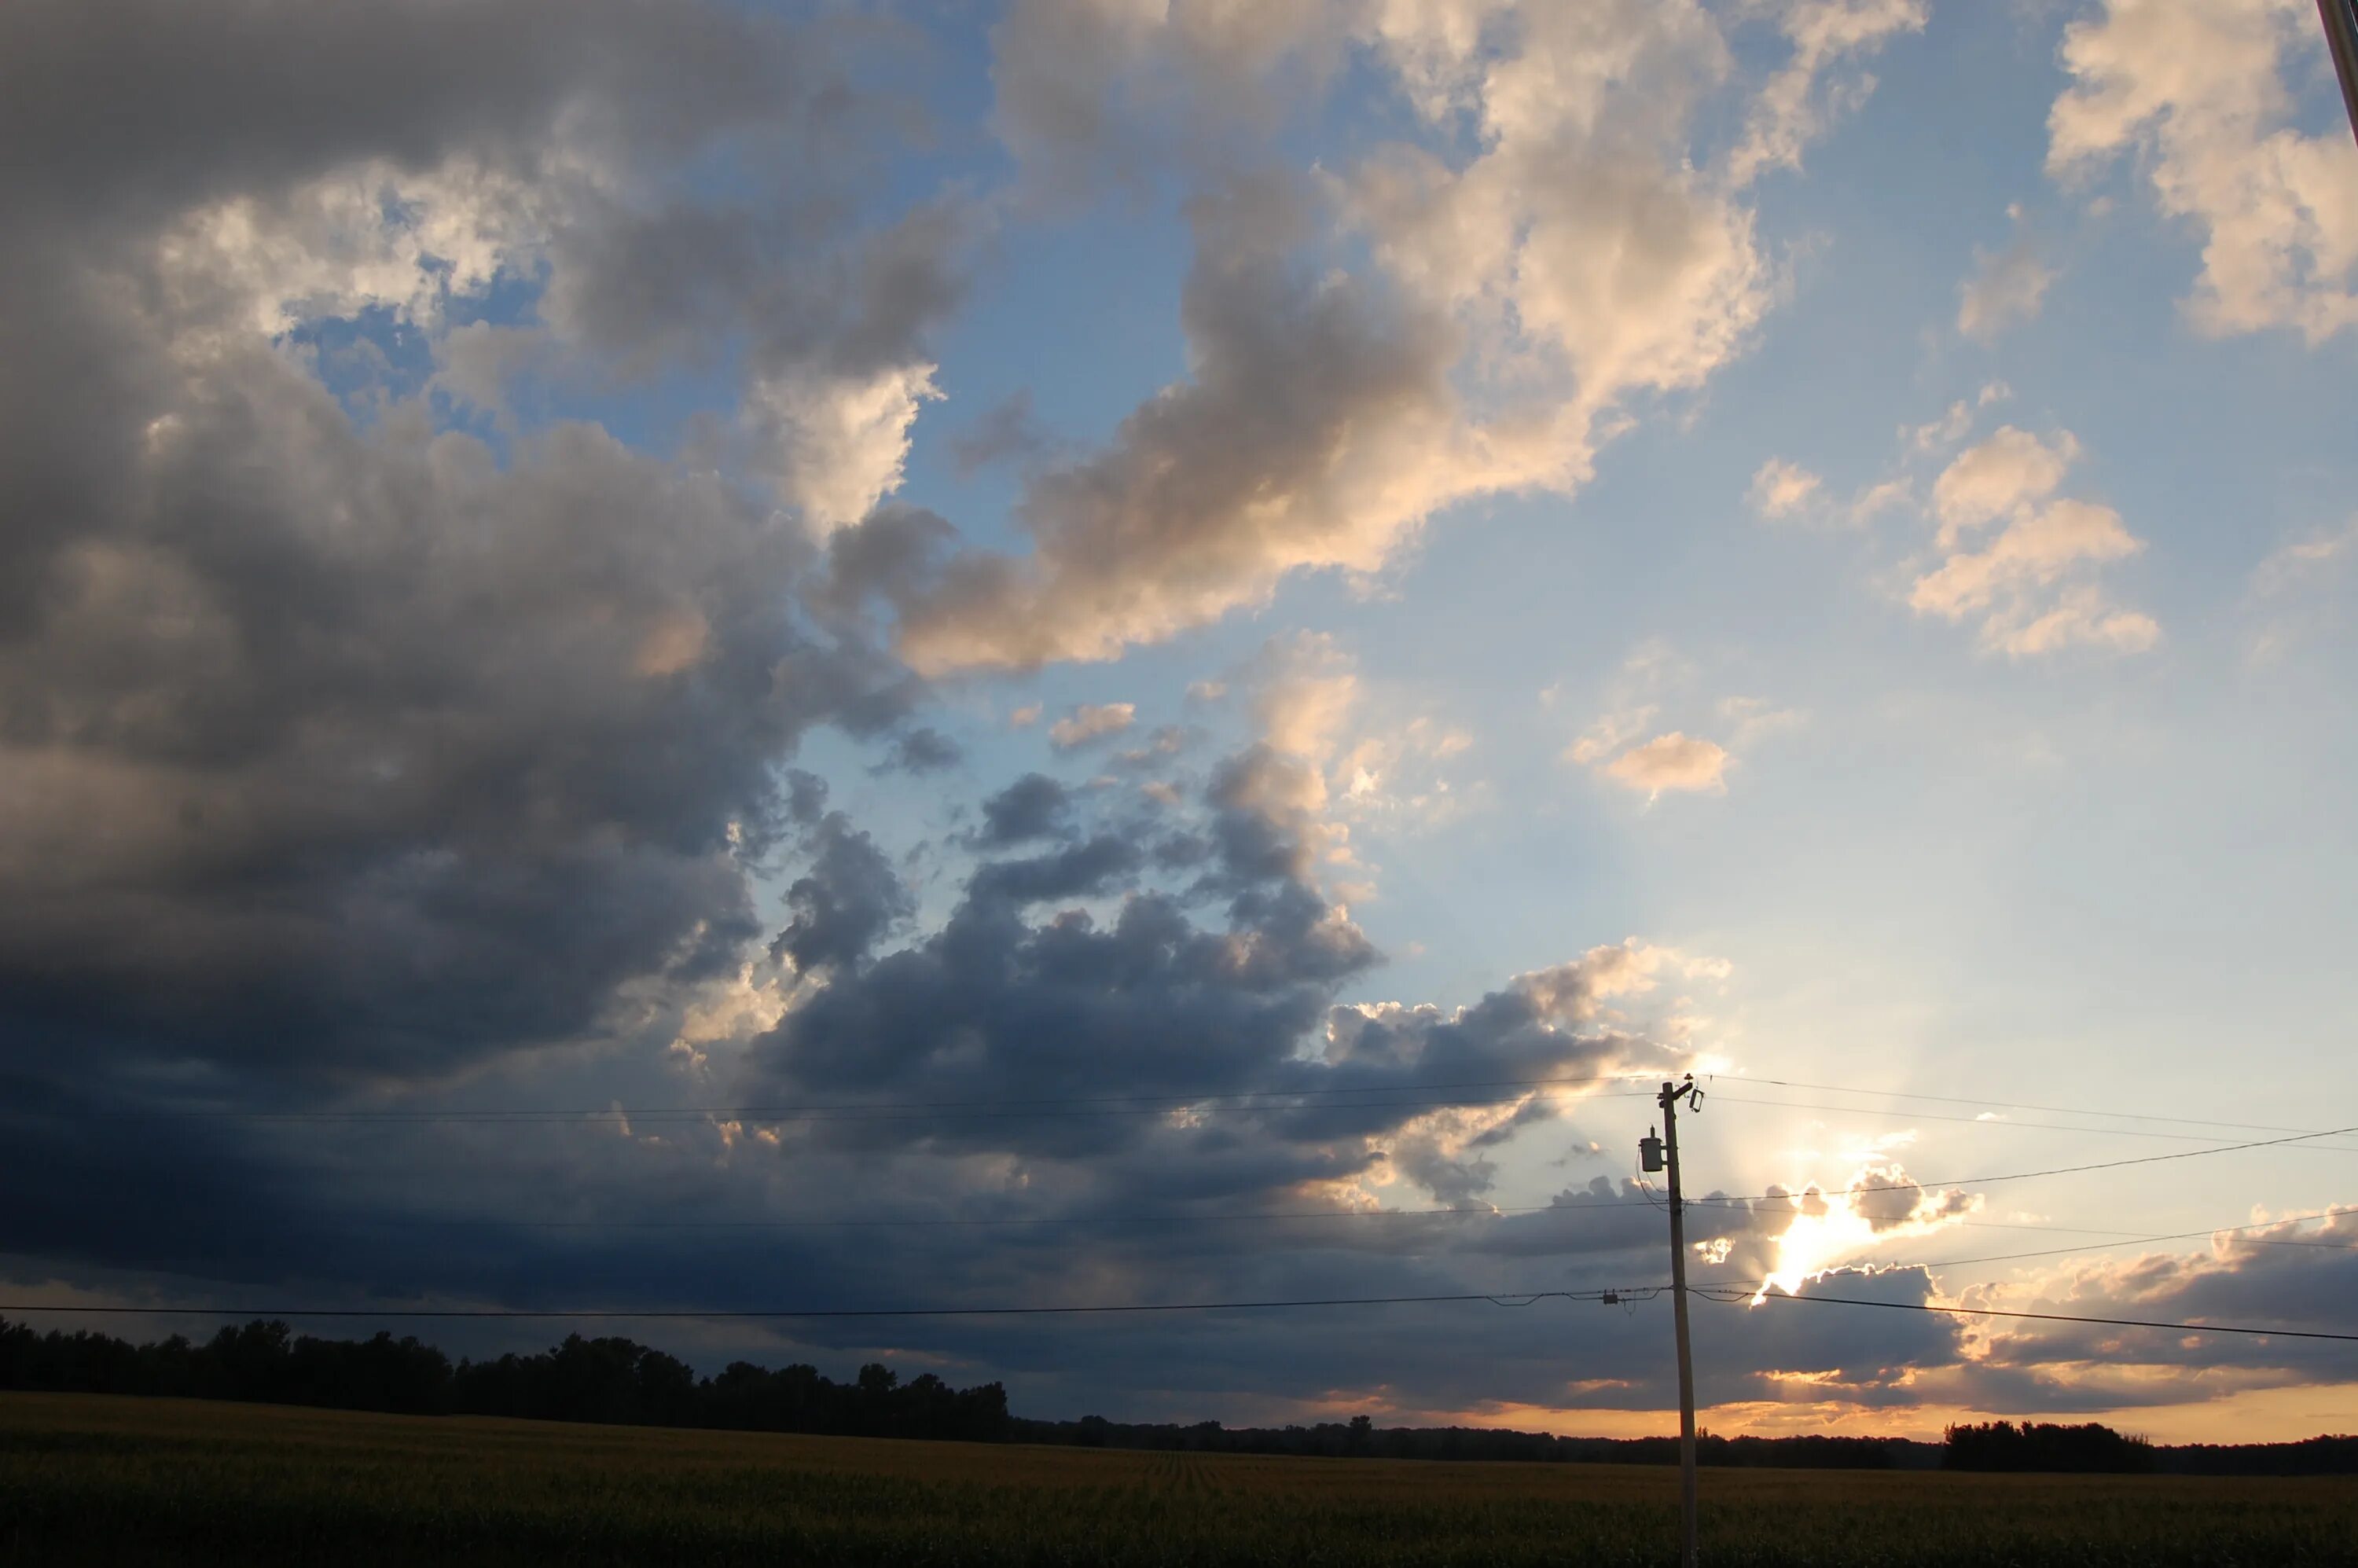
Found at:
[160, 102]
[333, 750]
[848, 899]
[2291, 1276]
[924, 750]
[354, 758]
[674, 282]
[1033, 807]
[1226, 985]
[1089, 869]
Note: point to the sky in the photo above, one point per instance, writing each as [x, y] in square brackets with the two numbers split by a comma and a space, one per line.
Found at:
[717, 655]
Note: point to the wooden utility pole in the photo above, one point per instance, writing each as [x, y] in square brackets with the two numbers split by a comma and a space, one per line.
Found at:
[2342, 35]
[1664, 1155]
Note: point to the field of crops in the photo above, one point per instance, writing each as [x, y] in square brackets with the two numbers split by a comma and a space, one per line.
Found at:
[88, 1480]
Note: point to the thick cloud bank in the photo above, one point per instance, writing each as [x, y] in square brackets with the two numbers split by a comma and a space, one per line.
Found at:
[451, 471]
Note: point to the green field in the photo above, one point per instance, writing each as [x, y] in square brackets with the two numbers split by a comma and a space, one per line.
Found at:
[89, 1479]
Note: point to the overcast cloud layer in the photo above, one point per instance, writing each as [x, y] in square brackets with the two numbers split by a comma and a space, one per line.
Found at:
[532, 765]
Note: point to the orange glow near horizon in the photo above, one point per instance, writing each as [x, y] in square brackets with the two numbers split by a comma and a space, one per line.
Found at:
[2258, 1415]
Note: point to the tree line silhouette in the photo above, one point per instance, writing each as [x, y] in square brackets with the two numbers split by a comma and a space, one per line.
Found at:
[1361, 1438]
[617, 1380]
[2092, 1449]
[608, 1380]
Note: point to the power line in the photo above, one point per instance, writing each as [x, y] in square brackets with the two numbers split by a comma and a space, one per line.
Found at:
[1157, 1104]
[2126, 1240]
[1725, 1201]
[1502, 1299]
[2125, 1237]
[2182, 1235]
[2059, 1317]
[1010, 1221]
[852, 1111]
[1723, 1098]
[2007, 1105]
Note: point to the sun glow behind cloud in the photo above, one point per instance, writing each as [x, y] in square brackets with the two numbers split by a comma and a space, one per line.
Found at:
[1829, 1228]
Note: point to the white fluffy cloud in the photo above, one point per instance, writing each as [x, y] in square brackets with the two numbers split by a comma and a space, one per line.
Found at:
[837, 445]
[1795, 105]
[1781, 488]
[2028, 585]
[2015, 557]
[1547, 257]
[1671, 761]
[1091, 721]
[1627, 745]
[2197, 90]
[1999, 476]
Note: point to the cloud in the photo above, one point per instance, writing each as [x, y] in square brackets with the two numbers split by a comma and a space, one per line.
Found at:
[1089, 92]
[1303, 692]
[2030, 587]
[1794, 106]
[1884, 497]
[2296, 562]
[393, 748]
[841, 444]
[1091, 721]
[1007, 430]
[2028, 584]
[1757, 718]
[2291, 595]
[1651, 679]
[1999, 476]
[844, 904]
[2197, 90]
[1361, 760]
[2292, 1275]
[1818, 1230]
[1033, 807]
[2008, 288]
[1781, 489]
[368, 727]
[1956, 424]
[1522, 298]
[1001, 1003]
[924, 750]
[1671, 761]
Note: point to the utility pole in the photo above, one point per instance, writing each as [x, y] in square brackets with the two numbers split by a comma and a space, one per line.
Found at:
[2341, 34]
[1662, 1154]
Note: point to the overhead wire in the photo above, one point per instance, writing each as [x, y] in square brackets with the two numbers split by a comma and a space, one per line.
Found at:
[1510, 1299]
[1721, 1096]
[2001, 1104]
[1159, 1105]
[1082, 1105]
[1365, 1096]
[2054, 1317]
[1501, 1299]
[2130, 1240]
[1245, 1216]
[1722, 1200]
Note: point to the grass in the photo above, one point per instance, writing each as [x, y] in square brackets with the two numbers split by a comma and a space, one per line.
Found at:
[86, 1479]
